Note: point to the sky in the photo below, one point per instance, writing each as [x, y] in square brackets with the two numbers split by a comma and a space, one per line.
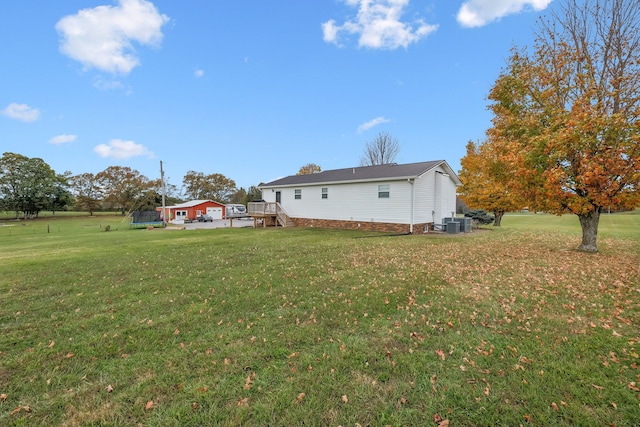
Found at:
[250, 89]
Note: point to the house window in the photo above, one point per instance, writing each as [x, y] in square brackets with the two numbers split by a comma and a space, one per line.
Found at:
[297, 194]
[383, 191]
[325, 193]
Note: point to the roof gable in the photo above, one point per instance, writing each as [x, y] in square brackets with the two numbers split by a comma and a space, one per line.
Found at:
[362, 173]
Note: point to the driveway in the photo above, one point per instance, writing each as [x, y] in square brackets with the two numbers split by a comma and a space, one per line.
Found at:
[220, 223]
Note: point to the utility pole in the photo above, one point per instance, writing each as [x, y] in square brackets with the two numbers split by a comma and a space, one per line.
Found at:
[164, 211]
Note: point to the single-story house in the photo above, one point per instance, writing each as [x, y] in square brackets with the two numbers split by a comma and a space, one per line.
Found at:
[403, 198]
[193, 209]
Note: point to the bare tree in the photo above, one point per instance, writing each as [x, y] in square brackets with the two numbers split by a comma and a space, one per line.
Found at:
[382, 150]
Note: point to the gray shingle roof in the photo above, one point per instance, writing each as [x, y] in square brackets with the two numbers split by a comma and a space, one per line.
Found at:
[362, 173]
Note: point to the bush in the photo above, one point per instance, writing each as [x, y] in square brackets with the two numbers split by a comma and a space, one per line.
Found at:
[481, 216]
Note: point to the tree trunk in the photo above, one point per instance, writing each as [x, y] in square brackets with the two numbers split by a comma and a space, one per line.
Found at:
[497, 218]
[589, 223]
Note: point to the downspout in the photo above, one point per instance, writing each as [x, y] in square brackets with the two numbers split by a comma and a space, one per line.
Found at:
[413, 187]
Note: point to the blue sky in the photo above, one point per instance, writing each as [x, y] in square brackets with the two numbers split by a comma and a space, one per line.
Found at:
[251, 89]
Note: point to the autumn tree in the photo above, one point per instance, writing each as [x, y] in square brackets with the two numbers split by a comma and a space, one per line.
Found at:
[215, 186]
[87, 191]
[486, 181]
[309, 169]
[567, 113]
[124, 188]
[382, 150]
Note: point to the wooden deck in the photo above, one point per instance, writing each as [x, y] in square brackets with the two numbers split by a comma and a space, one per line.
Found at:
[271, 214]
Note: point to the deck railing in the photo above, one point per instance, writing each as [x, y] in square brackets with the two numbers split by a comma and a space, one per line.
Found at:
[269, 209]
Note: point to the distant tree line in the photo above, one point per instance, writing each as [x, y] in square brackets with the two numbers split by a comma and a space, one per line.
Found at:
[29, 186]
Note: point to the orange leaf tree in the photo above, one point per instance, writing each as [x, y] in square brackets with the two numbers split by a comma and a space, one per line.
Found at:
[567, 114]
[486, 181]
[309, 169]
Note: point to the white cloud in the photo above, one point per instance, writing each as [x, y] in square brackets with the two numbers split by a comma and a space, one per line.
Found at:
[63, 139]
[476, 13]
[198, 73]
[372, 123]
[21, 112]
[378, 25]
[102, 37]
[107, 84]
[120, 149]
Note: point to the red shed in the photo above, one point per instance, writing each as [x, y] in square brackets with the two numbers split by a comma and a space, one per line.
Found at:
[193, 209]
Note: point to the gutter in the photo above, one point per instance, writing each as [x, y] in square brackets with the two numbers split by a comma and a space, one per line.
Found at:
[413, 190]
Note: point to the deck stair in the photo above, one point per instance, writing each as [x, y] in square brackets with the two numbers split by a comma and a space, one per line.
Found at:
[271, 213]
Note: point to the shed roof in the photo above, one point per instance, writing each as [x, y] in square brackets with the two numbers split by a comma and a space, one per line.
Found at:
[362, 174]
[193, 203]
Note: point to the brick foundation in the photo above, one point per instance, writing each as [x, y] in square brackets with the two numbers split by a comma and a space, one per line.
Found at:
[385, 227]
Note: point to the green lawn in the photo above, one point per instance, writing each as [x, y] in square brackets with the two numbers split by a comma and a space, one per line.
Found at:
[297, 326]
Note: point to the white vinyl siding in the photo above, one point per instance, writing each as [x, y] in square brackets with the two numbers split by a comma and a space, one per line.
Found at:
[434, 197]
[349, 202]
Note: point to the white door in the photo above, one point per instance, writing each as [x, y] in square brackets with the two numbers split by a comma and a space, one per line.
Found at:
[216, 213]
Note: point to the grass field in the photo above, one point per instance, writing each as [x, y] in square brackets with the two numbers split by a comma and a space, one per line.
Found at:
[286, 327]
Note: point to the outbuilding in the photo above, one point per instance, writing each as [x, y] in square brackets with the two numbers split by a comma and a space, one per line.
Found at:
[190, 211]
[402, 198]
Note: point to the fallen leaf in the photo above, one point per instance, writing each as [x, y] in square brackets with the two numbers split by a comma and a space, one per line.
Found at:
[345, 399]
[15, 411]
[300, 397]
[597, 387]
[443, 423]
[292, 355]
[247, 382]
[614, 405]
[51, 344]
[554, 406]
[109, 388]
[148, 405]
[243, 402]
[441, 354]
[437, 418]
[3, 397]
[486, 391]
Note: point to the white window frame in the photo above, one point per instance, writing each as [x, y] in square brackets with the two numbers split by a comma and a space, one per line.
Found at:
[384, 191]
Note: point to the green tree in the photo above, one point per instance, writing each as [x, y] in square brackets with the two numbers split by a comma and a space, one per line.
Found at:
[568, 113]
[239, 196]
[199, 186]
[27, 185]
[61, 198]
[253, 194]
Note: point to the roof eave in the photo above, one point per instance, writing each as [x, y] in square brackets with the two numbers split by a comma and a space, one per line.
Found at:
[349, 181]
